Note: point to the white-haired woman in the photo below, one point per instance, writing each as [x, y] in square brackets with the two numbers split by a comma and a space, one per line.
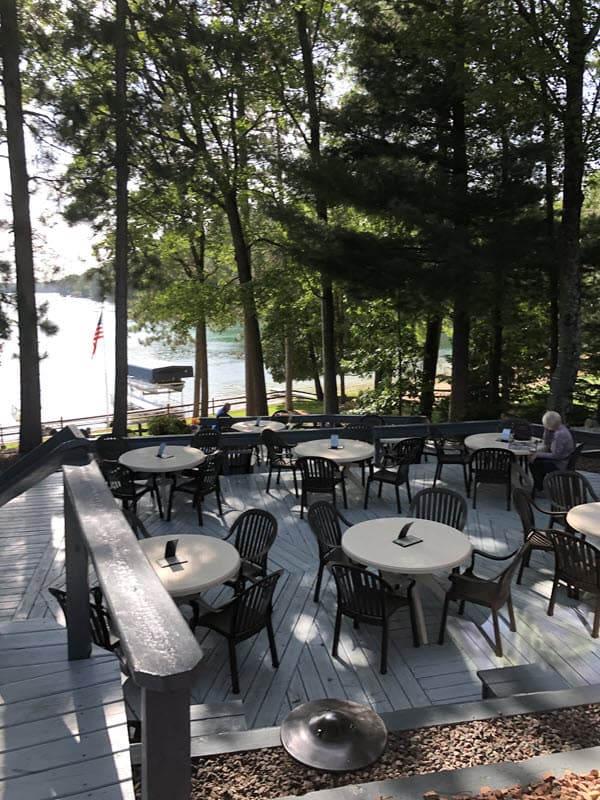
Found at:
[557, 446]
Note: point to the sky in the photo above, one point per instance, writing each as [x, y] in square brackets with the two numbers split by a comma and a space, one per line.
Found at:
[57, 244]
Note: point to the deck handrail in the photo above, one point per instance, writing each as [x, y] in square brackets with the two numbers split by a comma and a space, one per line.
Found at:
[161, 653]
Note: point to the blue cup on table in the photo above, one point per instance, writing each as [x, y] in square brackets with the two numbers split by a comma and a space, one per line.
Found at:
[334, 441]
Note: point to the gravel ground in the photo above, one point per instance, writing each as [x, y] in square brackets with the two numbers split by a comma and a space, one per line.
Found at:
[271, 773]
[567, 787]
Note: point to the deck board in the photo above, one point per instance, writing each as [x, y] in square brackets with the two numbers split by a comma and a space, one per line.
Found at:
[63, 729]
[31, 531]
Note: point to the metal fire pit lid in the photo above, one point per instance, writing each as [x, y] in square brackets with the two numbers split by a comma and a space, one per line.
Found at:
[334, 735]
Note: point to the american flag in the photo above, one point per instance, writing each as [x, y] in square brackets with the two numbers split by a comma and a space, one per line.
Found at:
[98, 334]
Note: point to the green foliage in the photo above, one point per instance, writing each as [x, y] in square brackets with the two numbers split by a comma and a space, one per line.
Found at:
[166, 424]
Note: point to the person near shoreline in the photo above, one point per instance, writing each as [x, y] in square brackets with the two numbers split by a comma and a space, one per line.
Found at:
[224, 410]
[557, 445]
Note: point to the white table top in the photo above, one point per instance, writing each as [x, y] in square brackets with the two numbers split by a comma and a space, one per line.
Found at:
[371, 543]
[208, 562]
[249, 426]
[348, 450]
[145, 459]
[478, 441]
[585, 518]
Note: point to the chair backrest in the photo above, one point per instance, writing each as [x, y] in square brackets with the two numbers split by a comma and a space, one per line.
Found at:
[276, 446]
[239, 459]
[281, 415]
[572, 462]
[440, 505]
[568, 489]
[207, 440]
[255, 531]
[109, 447]
[407, 451]
[371, 420]
[318, 474]
[360, 593]
[364, 433]
[324, 521]
[504, 579]
[577, 561]
[208, 472]
[492, 464]
[525, 510]
[252, 607]
[100, 620]
[119, 479]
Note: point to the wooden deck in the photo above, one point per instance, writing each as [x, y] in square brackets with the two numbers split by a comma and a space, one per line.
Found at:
[32, 559]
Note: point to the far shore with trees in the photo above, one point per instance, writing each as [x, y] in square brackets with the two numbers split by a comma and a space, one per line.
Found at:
[346, 181]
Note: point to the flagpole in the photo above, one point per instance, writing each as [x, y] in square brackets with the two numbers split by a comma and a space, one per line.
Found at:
[105, 376]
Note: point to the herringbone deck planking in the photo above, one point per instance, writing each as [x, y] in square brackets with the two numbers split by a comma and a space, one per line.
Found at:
[33, 558]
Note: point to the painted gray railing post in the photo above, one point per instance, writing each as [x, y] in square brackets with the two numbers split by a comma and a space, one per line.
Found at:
[161, 652]
[76, 564]
[166, 765]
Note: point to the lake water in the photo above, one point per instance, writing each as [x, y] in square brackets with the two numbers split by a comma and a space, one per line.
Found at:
[73, 384]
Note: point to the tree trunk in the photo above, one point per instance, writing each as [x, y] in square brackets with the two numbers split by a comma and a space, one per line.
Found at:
[289, 373]
[330, 398]
[122, 211]
[315, 368]
[200, 371]
[460, 362]
[461, 323]
[549, 196]
[256, 392]
[30, 434]
[330, 404]
[565, 374]
[430, 359]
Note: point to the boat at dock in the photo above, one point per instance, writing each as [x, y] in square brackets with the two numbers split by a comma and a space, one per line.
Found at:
[157, 386]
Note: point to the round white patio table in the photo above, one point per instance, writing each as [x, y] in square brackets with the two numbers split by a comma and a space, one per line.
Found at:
[442, 547]
[585, 518]
[248, 426]
[477, 441]
[347, 451]
[175, 458]
[199, 562]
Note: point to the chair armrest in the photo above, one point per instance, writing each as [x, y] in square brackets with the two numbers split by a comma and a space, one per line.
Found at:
[343, 518]
[489, 556]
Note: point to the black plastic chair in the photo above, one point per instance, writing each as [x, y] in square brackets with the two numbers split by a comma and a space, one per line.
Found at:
[573, 458]
[207, 440]
[362, 433]
[324, 520]
[492, 593]
[491, 465]
[319, 476]
[200, 485]
[394, 468]
[534, 537]
[565, 490]
[109, 447]
[279, 456]
[124, 487]
[238, 459]
[364, 596]
[100, 619]
[451, 453]
[245, 615]
[578, 567]
[440, 505]
[254, 532]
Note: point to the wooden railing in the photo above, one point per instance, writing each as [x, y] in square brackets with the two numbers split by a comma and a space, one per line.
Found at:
[161, 653]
